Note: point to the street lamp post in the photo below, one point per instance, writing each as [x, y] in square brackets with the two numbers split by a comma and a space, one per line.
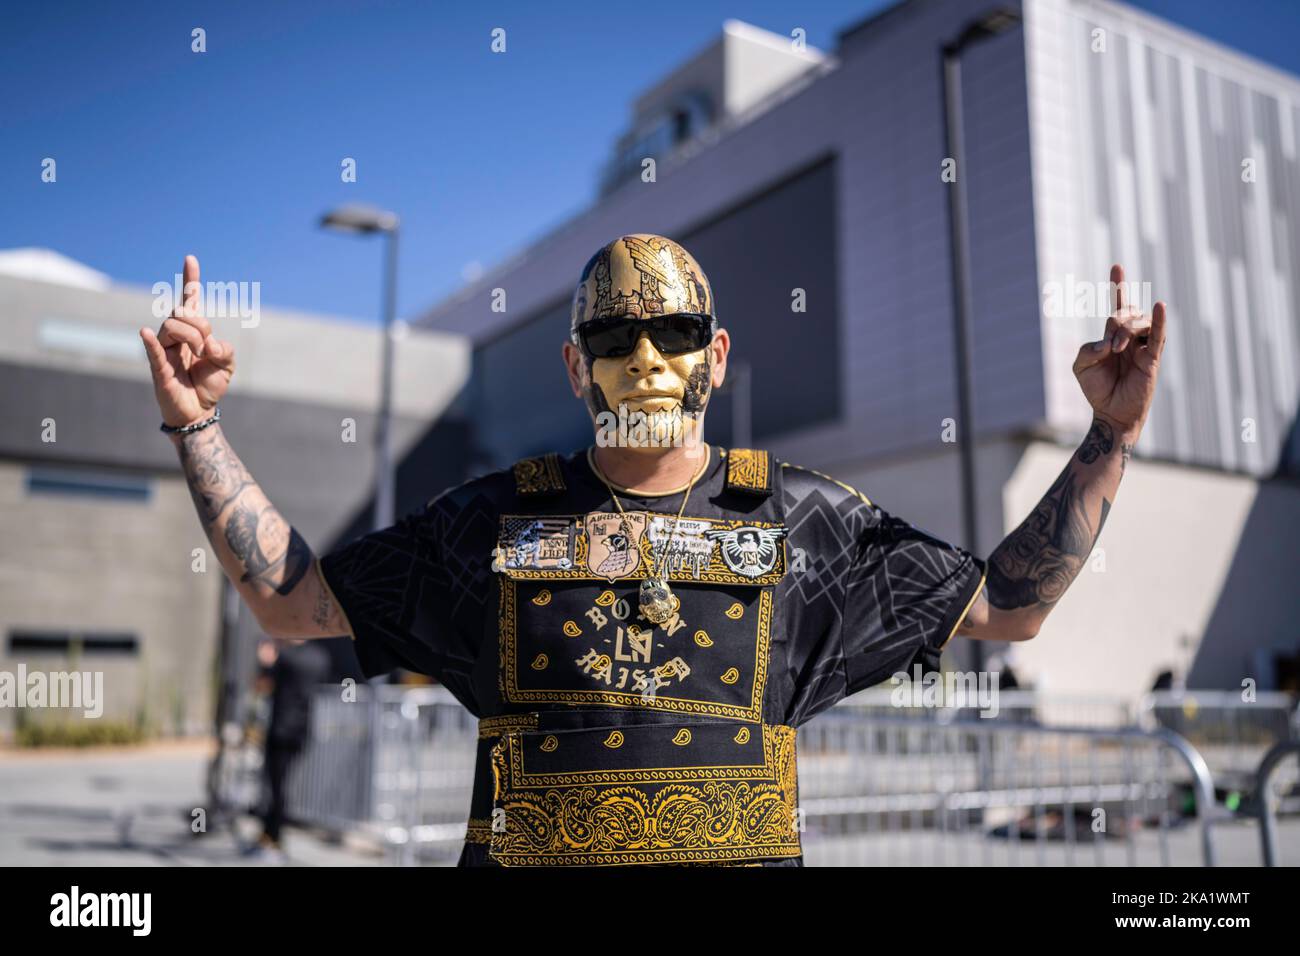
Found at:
[366, 220]
[990, 25]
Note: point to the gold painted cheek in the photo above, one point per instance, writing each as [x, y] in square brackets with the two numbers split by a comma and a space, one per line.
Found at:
[609, 375]
[682, 365]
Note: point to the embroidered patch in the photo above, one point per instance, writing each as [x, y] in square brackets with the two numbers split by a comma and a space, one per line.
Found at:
[689, 546]
[538, 476]
[540, 543]
[614, 543]
[749, 550]
[611, 546]
[749, 470]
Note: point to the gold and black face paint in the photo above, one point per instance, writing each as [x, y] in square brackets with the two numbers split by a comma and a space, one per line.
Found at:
[643, 317]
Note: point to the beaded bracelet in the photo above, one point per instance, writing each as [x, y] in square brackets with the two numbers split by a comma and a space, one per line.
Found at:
[197, 426]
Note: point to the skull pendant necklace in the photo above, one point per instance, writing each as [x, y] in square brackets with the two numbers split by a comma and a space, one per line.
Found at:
[657, 601]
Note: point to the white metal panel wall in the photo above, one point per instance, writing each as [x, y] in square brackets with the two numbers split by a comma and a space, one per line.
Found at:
[1137, 157]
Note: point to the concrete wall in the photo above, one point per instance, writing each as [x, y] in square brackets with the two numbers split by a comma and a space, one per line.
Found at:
[1194, 572]
[72, 563]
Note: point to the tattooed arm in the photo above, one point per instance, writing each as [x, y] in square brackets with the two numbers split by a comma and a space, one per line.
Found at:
[267, 560]
[1030, 570]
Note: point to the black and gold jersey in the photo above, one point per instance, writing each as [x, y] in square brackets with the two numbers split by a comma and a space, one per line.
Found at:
[607, 738]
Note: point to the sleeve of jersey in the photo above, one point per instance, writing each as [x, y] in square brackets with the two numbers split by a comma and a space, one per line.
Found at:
[906, 594]
[392, 587]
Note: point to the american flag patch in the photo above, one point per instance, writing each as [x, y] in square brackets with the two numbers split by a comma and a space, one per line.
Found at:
[538, 543]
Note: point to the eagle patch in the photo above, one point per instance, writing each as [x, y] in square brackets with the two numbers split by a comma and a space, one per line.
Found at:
[748, 550]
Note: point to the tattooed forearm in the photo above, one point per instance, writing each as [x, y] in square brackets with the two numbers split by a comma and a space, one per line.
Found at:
[274, 555]
[1040, 559]
[215, 475]
[1099, 441]
[325, 614]
[258, 549]
[1037, 561]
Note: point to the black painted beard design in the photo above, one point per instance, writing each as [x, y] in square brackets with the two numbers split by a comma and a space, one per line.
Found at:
[697, 390]
[595, 395]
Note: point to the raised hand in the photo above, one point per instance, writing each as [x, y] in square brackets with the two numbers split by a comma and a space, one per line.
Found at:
[1118, 372]
[191, 368]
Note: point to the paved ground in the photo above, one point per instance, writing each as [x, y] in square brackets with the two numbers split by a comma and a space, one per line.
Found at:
[1236, 843]
[133, 807]
[129, 807]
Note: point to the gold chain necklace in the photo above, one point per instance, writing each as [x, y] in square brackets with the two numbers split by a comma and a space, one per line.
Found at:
[657, 600]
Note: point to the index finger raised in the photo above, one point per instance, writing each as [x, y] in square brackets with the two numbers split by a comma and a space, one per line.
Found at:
[192, 290]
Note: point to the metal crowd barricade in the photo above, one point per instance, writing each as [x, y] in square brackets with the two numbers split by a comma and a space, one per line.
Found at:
[1269, 800]
[331, 783]
[876, 785]
[1231, 733]
[882, 789]
[1010, 706]
[425, 772]
[397, 762]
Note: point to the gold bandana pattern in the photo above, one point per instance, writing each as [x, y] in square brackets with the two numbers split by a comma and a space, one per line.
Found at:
[637, 822]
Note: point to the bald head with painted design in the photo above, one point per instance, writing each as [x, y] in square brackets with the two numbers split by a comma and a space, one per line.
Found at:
[656, 389]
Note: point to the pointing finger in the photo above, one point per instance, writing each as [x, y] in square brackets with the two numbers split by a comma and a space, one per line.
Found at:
[1117, 280]
[192, 289]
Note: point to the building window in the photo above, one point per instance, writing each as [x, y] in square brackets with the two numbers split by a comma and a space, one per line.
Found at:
[89, 338]
[85, 483]
[682, 119]
[64, 642]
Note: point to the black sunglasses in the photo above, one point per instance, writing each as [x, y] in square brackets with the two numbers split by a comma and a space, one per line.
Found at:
[616, 337]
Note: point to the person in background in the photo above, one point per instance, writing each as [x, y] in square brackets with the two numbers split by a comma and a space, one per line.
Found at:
[295, 669]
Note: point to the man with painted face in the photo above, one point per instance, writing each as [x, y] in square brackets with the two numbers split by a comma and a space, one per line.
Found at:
[641, 626]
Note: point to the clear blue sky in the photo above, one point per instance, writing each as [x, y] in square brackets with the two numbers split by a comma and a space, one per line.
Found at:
[234, 154]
